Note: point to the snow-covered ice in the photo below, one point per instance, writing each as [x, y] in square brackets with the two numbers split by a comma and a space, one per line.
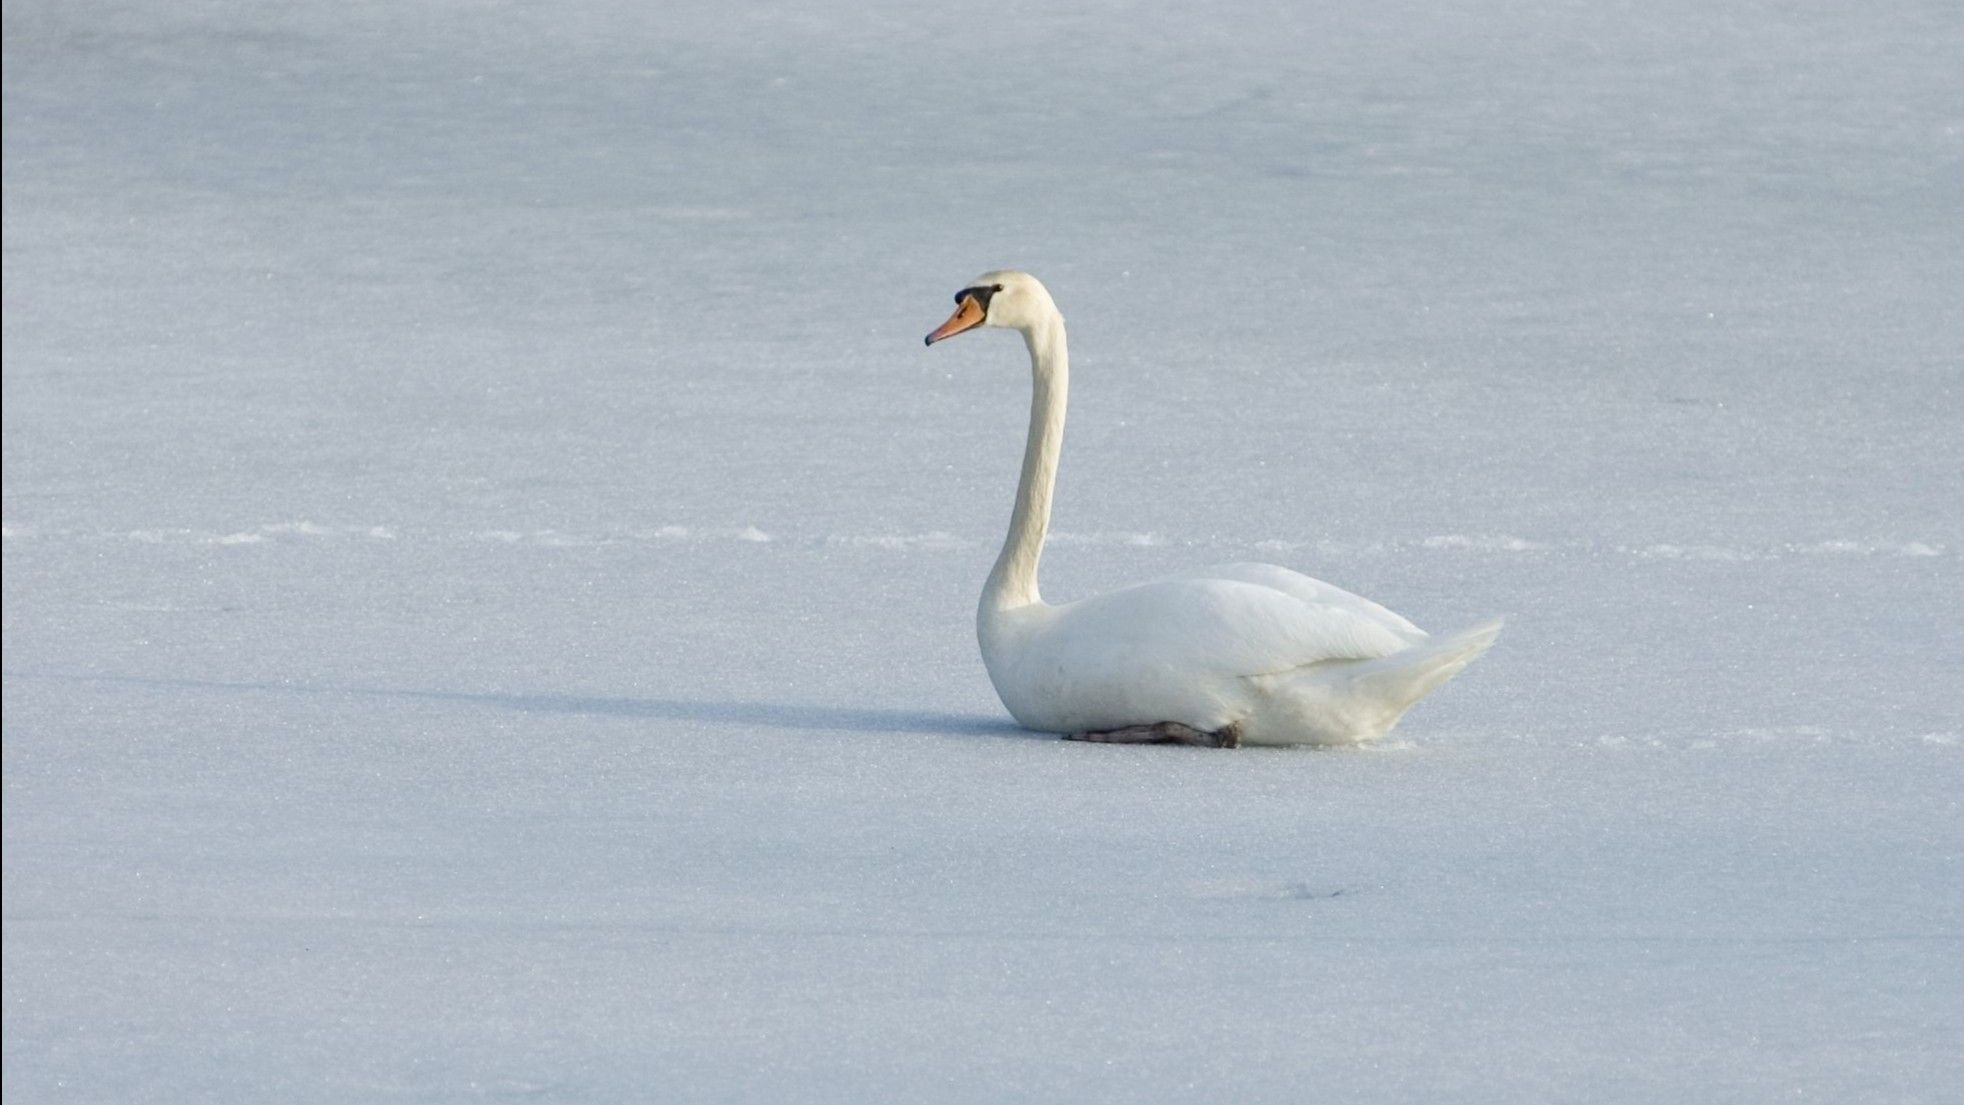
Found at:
[489, 567]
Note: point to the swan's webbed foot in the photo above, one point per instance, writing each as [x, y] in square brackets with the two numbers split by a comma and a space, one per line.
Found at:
[1165, 732]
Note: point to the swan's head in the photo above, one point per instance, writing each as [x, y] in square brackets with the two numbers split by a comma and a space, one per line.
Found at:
[1010, 300]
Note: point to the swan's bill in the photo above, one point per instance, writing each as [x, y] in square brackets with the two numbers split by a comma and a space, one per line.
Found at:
[966, 317]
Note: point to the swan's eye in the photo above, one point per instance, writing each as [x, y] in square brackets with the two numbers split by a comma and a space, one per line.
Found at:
[980, 293]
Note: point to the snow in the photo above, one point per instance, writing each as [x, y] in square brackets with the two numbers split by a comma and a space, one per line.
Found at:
[489, 567]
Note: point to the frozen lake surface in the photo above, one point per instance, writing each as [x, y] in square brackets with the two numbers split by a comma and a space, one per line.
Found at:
[489, 567]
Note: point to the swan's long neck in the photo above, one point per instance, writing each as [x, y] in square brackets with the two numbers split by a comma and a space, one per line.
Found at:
[1013, 583]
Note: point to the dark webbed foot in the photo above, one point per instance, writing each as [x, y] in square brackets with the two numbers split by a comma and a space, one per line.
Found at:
[1165, 732]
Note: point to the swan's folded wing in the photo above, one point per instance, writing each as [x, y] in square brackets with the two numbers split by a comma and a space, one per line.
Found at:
[1315, 592]
[1190, 626]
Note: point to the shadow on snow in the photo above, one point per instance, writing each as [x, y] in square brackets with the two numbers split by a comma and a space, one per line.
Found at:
[770, 715]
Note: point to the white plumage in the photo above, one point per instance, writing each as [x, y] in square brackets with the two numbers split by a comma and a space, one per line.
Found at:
[1241, 653]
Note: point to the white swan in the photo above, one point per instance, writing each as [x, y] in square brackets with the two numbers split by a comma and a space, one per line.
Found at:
[1239, 654]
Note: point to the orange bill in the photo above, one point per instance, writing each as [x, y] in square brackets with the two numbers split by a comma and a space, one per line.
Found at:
[966, 317]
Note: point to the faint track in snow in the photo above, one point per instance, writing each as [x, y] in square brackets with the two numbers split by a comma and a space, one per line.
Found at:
[273, 534]
[1692, 740]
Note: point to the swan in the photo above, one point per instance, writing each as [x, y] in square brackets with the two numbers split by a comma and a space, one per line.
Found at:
[1242, 654]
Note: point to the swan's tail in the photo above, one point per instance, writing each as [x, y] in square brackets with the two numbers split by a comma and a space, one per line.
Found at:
[1399, 680]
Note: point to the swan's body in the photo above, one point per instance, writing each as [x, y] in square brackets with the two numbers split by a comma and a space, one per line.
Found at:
[1242, 653]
